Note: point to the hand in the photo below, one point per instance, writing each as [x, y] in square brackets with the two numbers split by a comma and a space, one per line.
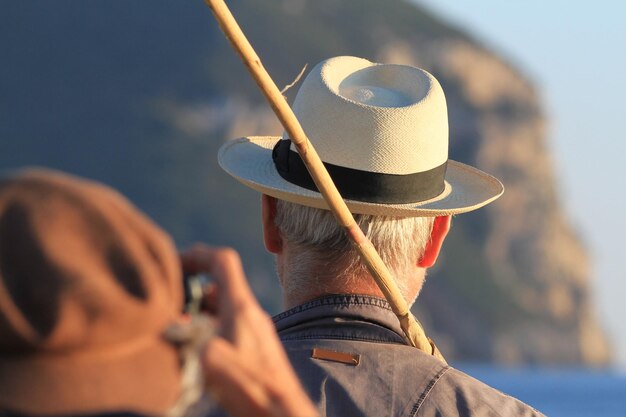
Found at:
[245, 366]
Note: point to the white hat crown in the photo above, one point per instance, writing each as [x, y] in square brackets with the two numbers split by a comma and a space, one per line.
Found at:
[377, 118]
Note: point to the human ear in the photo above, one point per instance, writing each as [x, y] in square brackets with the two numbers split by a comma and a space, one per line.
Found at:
[441, 226]
[271, 235]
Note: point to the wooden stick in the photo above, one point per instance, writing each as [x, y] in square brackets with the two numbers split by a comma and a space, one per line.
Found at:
[316, 168]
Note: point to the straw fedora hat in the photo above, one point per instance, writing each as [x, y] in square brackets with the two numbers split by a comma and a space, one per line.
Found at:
[382, 132]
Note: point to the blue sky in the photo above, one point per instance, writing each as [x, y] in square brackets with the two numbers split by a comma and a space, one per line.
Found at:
[575, 51]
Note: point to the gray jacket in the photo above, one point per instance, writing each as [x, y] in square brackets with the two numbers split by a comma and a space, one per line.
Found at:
[352, 359]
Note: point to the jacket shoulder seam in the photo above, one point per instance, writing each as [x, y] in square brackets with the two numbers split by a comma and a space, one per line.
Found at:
[427, 391]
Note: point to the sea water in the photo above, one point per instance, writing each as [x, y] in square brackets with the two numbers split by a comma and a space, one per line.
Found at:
[559, 392]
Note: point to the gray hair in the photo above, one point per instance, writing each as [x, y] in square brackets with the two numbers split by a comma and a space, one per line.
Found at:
[320, 251]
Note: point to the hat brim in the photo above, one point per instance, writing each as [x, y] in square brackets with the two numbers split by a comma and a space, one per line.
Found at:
[249, 160]
[141, 376]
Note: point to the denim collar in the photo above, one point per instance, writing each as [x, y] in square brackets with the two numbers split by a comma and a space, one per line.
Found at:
[373, 316]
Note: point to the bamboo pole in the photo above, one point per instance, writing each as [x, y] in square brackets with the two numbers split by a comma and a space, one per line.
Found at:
[412, 329]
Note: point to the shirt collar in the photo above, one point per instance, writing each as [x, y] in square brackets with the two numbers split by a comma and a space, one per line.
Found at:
[344, 307]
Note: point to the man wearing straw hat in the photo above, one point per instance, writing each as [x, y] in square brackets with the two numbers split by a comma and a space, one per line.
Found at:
[382, 132]
[90, 314]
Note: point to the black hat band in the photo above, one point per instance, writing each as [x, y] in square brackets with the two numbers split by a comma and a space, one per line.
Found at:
[364, 186]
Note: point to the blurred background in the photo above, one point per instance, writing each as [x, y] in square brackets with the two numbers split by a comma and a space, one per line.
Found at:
[140, 95]
[572, 52]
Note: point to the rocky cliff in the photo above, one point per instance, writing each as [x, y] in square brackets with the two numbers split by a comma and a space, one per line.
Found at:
[141, 94]
[526, 286]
